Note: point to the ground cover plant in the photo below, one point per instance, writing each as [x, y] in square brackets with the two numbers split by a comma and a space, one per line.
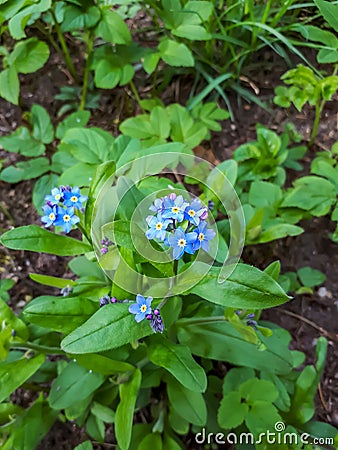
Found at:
[157, 333]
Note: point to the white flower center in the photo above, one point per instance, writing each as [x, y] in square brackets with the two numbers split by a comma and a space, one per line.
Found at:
[175, 209]
[52, 216]
[73, 199]
[201, 237]
[57, 197]
[191, 213]
[66, 218]
[181, 242]
[159, 226]
[143, 308]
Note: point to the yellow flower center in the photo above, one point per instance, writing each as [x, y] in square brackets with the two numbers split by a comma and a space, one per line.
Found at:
[201, 237]
[73, 199]
[191, 212]
[175, 209]
[182, 242]
[57, 197]
[159, 226]
[66, 218]
[143, 308]
[52, 216]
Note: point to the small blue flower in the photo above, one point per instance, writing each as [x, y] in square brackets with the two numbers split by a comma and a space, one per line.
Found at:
[141, 308]
[182, 242]
[157, 206]
[50, 216]
[157, 227]
[66, 219]
[56, 196]
[174, 209]
[74, 198]
[203, 235]
[194, 211]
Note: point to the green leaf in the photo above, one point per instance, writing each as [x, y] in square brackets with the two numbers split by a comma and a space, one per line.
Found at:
[14, 374]
[329, 12]
[74, 382]
[125, 409]
[246, 288]
[192, 32]
[43, 187]
[9, 85]
[86, 145]
[221, 341]
[102, 174]
[255, 390]
[25, 170]
[186, 403]
[77, 119]
[43, 130]
[9, 319]
[77, 17]
[36, 239]
[21, 141]
[310, 277]
[63, 314]
[178, 361]
[112, 28]
[110, 327]
[48, 280]
[19, 20]
[86, 445]
[29, 55]
[103, 413]
[81, 172]
[231, 412]
[261, 416]
[103, 364]
[176, 54]
[95, 428]
[151, 441]
[33, 424]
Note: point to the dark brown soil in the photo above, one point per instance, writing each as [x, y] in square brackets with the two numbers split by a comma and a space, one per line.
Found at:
[306, 317]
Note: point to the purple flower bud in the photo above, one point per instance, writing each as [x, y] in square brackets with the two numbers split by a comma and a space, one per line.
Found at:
[211, 205]
[103, 250]
[250, 316]
[113, 300]
[204, 215]
[252, 323]
[104, 301]
[172, 196]
[149, 316]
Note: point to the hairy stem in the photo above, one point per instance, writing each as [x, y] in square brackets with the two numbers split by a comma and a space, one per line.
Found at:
[37, 347]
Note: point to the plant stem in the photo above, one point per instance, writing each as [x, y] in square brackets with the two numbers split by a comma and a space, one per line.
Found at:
[133, 88]
[84, 232]
[64, 47]
[314, 132]
[38, 348]
[86, 72]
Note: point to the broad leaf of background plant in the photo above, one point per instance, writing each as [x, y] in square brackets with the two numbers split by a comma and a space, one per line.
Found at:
[74, 382]
[329, 12]
[36, 239]
[14, 374]
[125, 410]
[62, 314]
[9, 85]
[178, 361]
[112, 28]
[29, 55]
[110, 327]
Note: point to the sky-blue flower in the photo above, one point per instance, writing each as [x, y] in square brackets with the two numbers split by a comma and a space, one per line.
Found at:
[56, 196]
[66, 219]
[74, 198]
[174, 209]
[194, 211]
[157, 206]
[158, 227]
[50, 215]
[141, 308]
[182, 242]
[203, 236]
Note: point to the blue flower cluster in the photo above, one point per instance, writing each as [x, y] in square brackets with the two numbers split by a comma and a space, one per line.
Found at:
[180, 224]
[60, 207]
